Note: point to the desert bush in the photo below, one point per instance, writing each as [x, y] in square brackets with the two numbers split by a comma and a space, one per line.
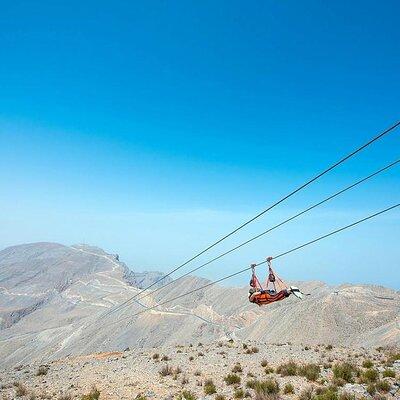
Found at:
[186, 395]
[344, 371]
[287, 369]
[191, 358]
[371, 389]
[307, 394]
[156, 356]
[20, 389]
[184, 380]
[383, 386]
[232, 379]
[325, 394]
[264, 363]
[220, 397]
[245, 347]
[63, 397]
[177, 370]
[389, 373]
[200, 354]
[367, 364]
[347, 396]
[209, 387]
[370, 375]
[94, 394]
[238, 394]
[268, 370]
[42, 370]
[197, 373]
[288, 389]
[329, 347]
[165, 358]
[392, 357]
[310, 371]
[166, 370]
[251, 384]
[255, 349]
[237, 368]
[140, 397]
[269, 386]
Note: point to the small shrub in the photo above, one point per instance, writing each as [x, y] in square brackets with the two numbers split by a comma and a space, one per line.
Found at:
[238, 394]
[232, 379]
[177, 370]
[389, 373]
[269, 370]
[191, 358]
[140, 397]
[325, 394]
[200, 354]
[264, 363]
[329, 347]
[347, 396]
[42, 370]
[310, 371]
[185, 380]
[370, 375]
[344, 371]
[367, 364]
[255, 349]
[371, 389]
[197, 373]
[251, 384]
[165, 358]
[20, 389]
[220, 397]
[186, 395]
[156, 356]
[94, 394]
[237, 368]
[269, 386]
[209, 387]
[166, 370]
[245, 347]
[307, 394]
[383, 386]
[63, 397]
[287, 369]
[288, 389]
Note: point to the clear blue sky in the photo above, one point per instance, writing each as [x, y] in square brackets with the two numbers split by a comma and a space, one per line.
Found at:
[151, 129]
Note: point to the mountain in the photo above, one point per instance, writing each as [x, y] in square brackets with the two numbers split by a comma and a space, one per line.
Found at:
[58, 300]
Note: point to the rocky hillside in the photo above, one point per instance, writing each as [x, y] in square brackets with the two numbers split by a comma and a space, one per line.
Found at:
[230, 369]
[56, 300]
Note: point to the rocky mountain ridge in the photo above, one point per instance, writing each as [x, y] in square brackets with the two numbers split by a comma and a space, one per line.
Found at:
[60, 300]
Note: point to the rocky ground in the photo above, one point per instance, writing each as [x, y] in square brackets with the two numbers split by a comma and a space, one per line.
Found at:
[219, 370]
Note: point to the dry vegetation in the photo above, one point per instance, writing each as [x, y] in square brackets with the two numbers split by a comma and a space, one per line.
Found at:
[225, 370]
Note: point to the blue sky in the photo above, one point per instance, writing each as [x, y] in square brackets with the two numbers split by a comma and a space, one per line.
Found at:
[151, 129]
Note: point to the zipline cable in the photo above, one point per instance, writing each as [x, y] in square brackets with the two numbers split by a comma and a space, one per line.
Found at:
[330, 168]
[262, 262]
[273, 228]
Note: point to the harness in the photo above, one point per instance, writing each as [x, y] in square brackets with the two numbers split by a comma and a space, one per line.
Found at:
[273, 282]
[274, 289]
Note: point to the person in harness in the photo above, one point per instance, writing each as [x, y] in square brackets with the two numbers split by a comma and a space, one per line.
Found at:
[275, 289]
